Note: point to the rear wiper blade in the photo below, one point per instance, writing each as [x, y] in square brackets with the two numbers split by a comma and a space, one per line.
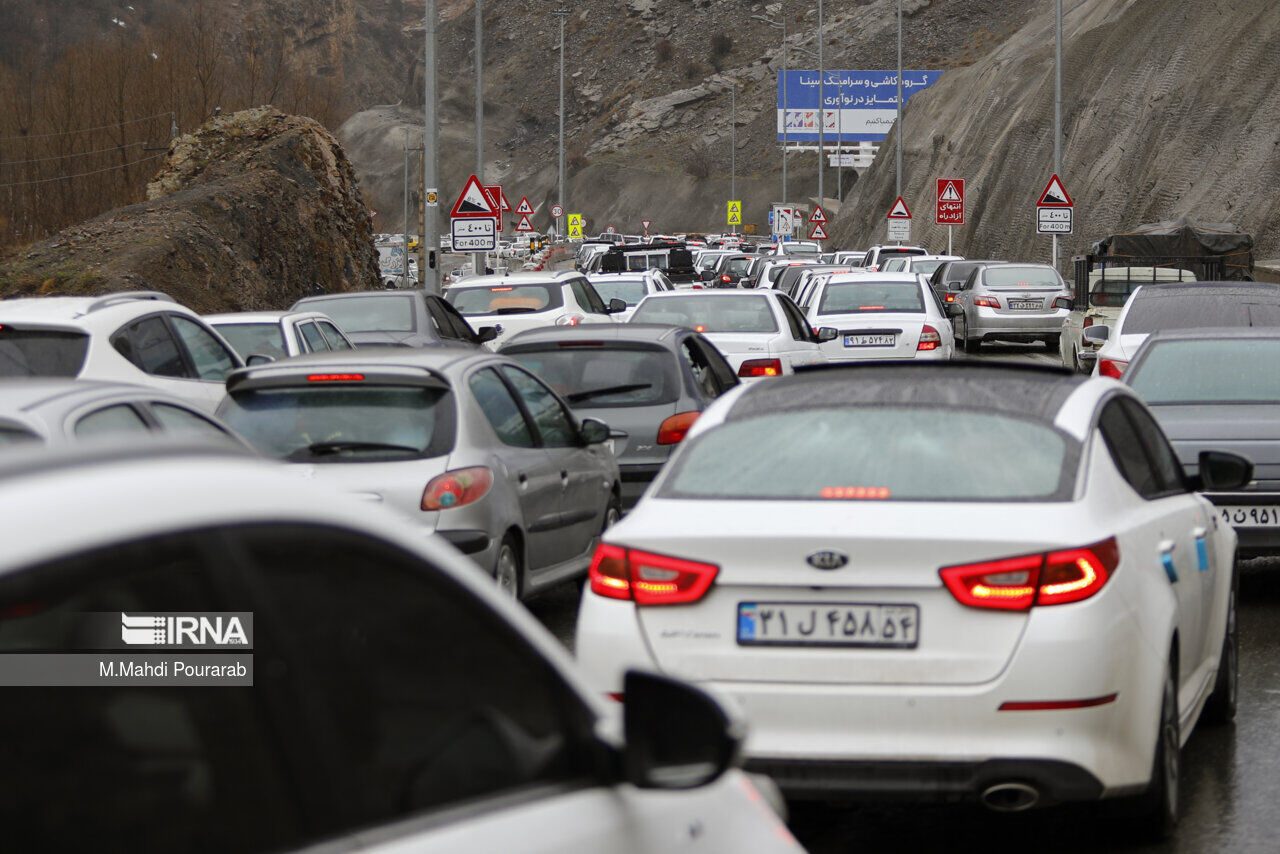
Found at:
[579, 396]
[321, 449]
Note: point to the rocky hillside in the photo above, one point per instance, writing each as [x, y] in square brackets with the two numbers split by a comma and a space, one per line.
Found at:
[249, 212]
[1169, 109]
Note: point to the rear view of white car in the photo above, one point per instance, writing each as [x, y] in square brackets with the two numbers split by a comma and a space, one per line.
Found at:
[523, 301]
[879, 316]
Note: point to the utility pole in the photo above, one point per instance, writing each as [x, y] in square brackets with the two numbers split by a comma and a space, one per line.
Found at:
[404, 223]
[783, 15]
[898, 123]
[562, 14]
[1057, 111]
[733, 146]
[478, 259]
[822, 105]
[429, 272]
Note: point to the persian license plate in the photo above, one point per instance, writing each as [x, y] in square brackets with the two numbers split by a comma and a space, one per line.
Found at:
[1026, 304]
[876, 340]
[1251, 516]
[828, 624]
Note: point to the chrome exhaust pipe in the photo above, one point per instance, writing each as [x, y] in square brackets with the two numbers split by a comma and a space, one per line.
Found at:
[1010, 797]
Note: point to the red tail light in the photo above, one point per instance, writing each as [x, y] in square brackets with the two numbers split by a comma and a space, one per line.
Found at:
[456, 488]
[949, 298]
[929, 339]
[1017, 583]
[1087, 322]
[649, 579]
[725, 278]
[761, 368]
[673, 430]
[1062, 302]
[987, 302]
[1111, 368]
[569, 320]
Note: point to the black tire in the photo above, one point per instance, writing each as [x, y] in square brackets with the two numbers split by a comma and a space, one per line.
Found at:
[1155, 812]
[612, 513]
[508, 571]
[1053, 342]
[1220, 708]
[972, 346]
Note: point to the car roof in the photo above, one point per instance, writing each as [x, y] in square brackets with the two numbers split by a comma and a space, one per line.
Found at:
[651, 332]
[548, 278]
[1180, 290]
[256, 316]
[380, 292]
[1215, 333]
[869, 276]
[84, 311]
[714, 293]
[429, 358]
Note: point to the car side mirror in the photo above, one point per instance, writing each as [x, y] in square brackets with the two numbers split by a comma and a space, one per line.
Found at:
[678, 736]
[1097, 334]
[954, 309]
[594, 431]
[486, 334]
[258, 359]
[827, 333]
[707, 275]
[617, 305]
[1221, 471]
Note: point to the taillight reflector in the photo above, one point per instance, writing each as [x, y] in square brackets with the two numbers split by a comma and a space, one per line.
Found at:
[335, 378]
[929, 339]
[1053, 705]
[1113, 368]
[987, 302]
[949, 298]
[673, 430]
[760, 368]
[647, 578]
[1017, 583]
[456, 488]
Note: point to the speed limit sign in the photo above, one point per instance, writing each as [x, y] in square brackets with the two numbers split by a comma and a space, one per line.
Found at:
[557, 211]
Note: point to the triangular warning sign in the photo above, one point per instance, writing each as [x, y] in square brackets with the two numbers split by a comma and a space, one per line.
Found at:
[524, 224]
[949, 193]
[502, 198]
[818, 216]
[494, 195]
[473, 201]
[899, 210]
[1055, 195]
[525, 207]
[646, 223]
[818, 233]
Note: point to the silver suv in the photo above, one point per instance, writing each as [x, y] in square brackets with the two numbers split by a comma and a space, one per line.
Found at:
[1012, 302]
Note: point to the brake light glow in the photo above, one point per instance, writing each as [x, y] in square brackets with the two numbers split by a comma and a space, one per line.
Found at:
[647, 578]
[987, 302]
[760, 368]
[673, 430]
[699, 328]
[856, 492]
[569, 320]
[1111, 368]
[495, 290]
[335, 378]
[950, 297]
[929, 339]
[725, 278]
[870, 308]
[1018, 583]
[456, 488]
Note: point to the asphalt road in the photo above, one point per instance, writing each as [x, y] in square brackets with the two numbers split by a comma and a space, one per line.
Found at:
[1231, 775]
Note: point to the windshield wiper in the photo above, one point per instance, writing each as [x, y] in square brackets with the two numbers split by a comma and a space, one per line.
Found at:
[324, 449]
[579, 396]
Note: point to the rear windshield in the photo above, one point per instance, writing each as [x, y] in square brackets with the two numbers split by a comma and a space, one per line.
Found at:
[893, 265]
[853, 297]
[41, 352]
[898, 252]
[1209, 372]
[883, 453]
[1020, 277]
[1192, 311]
[709, 314]
[344, 423]
[925, 268]
[630, 291]
[505, 299]
[800, 249]
[249, 338]
[372, 313]
[597, 377]
[738, 266]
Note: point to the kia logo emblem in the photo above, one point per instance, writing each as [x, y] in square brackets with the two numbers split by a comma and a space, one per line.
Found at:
[827, 560]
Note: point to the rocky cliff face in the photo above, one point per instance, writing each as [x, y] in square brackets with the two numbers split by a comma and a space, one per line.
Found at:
[248, 213]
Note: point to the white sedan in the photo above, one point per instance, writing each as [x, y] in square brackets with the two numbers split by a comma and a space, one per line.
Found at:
[760, 333]
[879, 316]
[521, 301]
[1045, 622]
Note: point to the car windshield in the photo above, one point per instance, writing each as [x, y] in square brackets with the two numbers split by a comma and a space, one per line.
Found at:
[594, 377]
[368, 312]
[1209, 371]
[1020, 277]
[709, 313]
[1151, 312]
[505, 299]
[850, 297]
[630, 291]
[41, 352]
[249, 338]
[737, 267]
[893, 453]
[343, 423]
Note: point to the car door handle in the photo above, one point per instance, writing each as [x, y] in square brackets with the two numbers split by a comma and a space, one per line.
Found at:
[1166, 560]
[1199, 533]
[523, 480]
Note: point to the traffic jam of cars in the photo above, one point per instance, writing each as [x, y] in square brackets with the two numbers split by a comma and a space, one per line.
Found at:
[853, 526]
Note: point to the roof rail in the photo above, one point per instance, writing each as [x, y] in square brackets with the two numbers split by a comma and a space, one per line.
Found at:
[122, 296]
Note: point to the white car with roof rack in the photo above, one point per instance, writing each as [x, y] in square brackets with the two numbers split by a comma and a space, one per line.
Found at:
[519, 301]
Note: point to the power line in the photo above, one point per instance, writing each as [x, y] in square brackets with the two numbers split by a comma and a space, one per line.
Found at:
[82, 174]
[72, 154]
[85, 130]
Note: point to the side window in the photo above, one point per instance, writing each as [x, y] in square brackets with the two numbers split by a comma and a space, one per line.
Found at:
[211, 360]
[456, 322]
[411, 729]
[149, 344]
[182, 422]
[165, 768]
[337, 341]
[112, 420]
[497, 404]
[800, 330]
[310, 334]
[705, 378]
[1126, 450]
[1164, 460]
[554, 424]
[724, 372]
[587, 296]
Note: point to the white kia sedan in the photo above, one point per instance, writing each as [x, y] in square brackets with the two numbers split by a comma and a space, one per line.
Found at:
[761, 333]
[879, 316]
[896, 618]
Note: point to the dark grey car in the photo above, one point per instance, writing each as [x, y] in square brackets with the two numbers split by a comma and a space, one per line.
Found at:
[1219, 389]
[948, 277]
[397, 319]
[649, 380]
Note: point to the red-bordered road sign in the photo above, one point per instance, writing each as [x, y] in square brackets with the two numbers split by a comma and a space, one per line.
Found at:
[1055, 195]
[899, 210]
[473, 201]
[950, 201]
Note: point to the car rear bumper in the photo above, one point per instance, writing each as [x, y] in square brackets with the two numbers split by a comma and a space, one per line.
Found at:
[1003, 323]
[1252, 540]
[636, 478]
